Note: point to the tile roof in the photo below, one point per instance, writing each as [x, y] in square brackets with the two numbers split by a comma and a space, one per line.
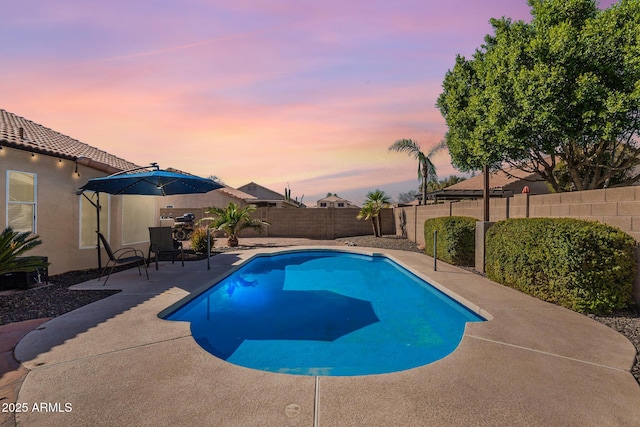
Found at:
[18, 132]
[497, 179]
[237, 193]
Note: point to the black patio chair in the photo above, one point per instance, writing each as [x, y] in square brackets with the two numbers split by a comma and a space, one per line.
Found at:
[163, 243]
[122, 256]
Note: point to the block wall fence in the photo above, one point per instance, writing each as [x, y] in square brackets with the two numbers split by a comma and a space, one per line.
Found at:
[619, 207]
[312, 223]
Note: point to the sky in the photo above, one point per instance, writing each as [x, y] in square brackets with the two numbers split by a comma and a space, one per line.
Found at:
[302, 94]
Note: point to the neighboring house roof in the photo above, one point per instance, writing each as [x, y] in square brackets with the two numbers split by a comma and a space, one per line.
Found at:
[499, 179]
[261, 192]
[265, 196]
[18, 132]
[237, 193]
[502, 183]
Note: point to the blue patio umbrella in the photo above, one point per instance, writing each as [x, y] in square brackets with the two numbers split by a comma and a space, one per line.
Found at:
[150, 182]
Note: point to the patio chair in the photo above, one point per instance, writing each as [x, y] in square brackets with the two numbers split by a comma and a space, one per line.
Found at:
[163, 243]
[122, 256]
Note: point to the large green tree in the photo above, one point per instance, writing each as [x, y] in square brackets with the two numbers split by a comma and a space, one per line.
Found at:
[559, 95]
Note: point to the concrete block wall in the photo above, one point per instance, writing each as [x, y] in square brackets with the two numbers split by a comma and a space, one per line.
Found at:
[321, 223]
[329, 223]
[618, 207]
[410, 219]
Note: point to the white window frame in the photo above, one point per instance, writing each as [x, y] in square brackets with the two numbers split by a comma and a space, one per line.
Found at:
[34, 220]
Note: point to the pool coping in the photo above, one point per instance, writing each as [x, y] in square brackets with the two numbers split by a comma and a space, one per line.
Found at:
[116, 362]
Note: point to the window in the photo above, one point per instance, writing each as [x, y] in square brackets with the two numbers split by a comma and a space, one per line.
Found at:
[138, 214]
[89, 220]
[323, 205]
[340, 205]
[21, 201]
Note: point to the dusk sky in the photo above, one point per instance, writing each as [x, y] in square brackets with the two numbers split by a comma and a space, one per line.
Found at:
[308, 94]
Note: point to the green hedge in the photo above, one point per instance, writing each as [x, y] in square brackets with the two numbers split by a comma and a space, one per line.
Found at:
[585, 266]
[456, 239]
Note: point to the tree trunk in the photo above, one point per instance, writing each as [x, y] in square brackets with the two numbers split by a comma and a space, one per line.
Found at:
[425, 182]
[232, 241]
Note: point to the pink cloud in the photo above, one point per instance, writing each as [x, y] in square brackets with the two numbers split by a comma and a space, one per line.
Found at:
[310, 93]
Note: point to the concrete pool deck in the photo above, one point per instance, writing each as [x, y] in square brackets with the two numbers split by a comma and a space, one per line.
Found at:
[116, 363]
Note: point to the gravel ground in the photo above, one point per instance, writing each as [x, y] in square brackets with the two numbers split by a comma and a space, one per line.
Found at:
[56, 299]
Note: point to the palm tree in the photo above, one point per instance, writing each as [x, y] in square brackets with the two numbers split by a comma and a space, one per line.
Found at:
[232, 220]
[426, 168]
[376, 201]
[379, 200]
[12, 245]
[366, 213]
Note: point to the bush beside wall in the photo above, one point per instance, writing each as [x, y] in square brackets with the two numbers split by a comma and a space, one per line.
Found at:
[581, 265]
[199, 240]
[456, 239]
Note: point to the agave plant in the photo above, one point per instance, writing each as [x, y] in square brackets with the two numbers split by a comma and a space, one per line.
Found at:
[12, 245]
[232, 220]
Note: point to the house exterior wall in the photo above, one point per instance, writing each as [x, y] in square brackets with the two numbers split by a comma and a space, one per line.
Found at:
[338, 204]
[535, 187]
[58, 209]
[215, 198]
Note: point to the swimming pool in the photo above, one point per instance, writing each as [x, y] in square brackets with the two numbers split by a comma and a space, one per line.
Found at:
[325, 312]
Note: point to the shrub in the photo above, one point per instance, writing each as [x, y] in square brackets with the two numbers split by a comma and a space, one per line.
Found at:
[585, 266]
[199, 240]
[12, 245]
[456, 239]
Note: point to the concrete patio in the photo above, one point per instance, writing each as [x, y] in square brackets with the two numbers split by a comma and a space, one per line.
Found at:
[116, 363]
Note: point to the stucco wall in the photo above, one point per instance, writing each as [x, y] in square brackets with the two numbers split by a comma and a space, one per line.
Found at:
[213, 198]
[58, 209]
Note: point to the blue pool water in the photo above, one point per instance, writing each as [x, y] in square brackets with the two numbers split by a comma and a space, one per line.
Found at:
[325, 313]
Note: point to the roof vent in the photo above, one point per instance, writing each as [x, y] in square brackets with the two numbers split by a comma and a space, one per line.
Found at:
[21, 133]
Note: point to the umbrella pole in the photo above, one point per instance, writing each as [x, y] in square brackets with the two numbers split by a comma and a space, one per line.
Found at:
[97, 206]
[208, 249]
[98, 237]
